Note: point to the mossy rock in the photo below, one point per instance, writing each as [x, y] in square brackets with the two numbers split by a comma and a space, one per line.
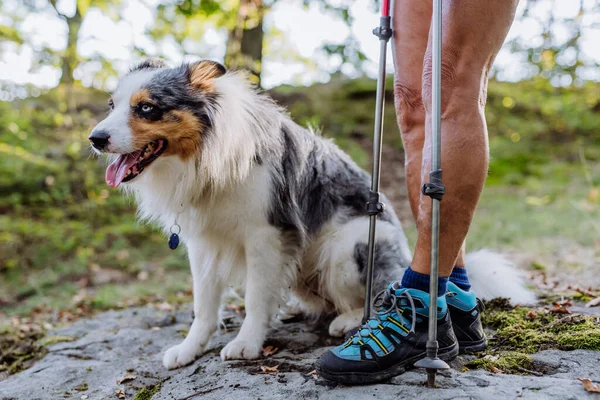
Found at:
[519, 331]
[19, 349]
[530, 330]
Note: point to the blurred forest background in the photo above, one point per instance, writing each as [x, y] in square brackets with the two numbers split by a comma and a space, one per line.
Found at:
[70, 246]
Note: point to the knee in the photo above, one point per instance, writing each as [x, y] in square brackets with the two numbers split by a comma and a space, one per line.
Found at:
[464, 85]
[409, 106]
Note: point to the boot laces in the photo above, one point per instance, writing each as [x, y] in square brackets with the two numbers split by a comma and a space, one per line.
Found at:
[385, 302]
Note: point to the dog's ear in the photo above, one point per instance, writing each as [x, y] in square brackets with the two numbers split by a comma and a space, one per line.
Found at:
[202, 73]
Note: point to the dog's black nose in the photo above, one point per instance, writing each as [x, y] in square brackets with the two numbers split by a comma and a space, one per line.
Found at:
[99, 139]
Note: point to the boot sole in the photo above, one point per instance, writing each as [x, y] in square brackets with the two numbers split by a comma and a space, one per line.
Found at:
[364, 378]
[472, 347]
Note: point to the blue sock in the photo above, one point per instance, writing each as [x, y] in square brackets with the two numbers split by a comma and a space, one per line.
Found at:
[415, 280]
[460, 278]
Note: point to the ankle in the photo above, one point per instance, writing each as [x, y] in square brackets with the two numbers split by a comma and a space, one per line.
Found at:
[460, 278]
[416, 280]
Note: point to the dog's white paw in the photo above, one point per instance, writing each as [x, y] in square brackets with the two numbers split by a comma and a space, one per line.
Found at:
[240, 349]
[180, 355]
[343, 324]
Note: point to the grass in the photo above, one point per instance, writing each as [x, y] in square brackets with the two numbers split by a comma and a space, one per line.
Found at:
[103, 264]
[558, 203]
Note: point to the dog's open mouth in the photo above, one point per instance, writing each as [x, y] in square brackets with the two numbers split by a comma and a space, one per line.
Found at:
[127, 166]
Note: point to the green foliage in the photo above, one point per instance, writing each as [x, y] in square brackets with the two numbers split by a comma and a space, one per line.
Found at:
[530, 123]
[59, 221]
[557, 57]
[69, 58]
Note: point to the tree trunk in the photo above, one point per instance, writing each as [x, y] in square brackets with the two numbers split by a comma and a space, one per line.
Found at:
[70, 58]
[245, 42]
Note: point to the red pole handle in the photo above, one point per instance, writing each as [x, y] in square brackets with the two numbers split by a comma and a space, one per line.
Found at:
[385, 8]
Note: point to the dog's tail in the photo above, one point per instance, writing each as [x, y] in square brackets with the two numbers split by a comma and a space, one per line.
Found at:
[492, 275]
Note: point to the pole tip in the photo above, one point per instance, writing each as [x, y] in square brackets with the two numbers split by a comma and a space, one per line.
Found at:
[431, 378]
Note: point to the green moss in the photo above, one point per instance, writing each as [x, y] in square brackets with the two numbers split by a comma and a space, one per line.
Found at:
[534, 329]
[147, 392]
[50, 340]
[509, 362]
[518, 331]
[586, 338]
[538, 266]
[20, 349]
[81, 388]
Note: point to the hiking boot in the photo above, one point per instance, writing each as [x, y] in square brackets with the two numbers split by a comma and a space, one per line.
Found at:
[465, 312]
[392, 340]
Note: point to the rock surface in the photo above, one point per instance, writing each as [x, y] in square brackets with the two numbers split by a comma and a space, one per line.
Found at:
[129, 344]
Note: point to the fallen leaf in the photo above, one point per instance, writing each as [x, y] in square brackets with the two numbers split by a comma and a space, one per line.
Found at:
[589, 386]
[269, 370]
[593, 303]
[126, 378]
[269, 351]
[496, 370]
[531, 314]
[120, 394]
[558, 309]
[564, 302]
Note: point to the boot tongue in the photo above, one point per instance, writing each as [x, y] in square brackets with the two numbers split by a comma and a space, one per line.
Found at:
[117, 170]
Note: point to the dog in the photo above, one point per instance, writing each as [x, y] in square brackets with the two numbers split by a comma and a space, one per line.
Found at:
[260, 202]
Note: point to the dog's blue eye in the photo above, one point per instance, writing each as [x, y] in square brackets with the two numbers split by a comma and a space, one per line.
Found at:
[148, 111]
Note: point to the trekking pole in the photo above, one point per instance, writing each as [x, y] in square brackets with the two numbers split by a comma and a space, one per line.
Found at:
[435, 190]
[374, 205]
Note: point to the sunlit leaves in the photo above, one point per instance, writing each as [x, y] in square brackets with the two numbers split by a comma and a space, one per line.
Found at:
[556, 52]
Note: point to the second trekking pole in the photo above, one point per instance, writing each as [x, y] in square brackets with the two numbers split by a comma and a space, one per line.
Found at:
[434, 189]
[374, 205]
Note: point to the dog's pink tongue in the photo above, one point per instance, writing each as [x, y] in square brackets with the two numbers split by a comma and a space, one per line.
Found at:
[117, 170]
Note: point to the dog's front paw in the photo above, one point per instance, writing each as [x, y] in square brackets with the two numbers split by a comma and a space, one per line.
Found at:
[343, 324]
[180, 355]
[240, 349]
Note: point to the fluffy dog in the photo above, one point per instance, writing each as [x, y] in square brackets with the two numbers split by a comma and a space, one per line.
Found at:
[262, 203]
